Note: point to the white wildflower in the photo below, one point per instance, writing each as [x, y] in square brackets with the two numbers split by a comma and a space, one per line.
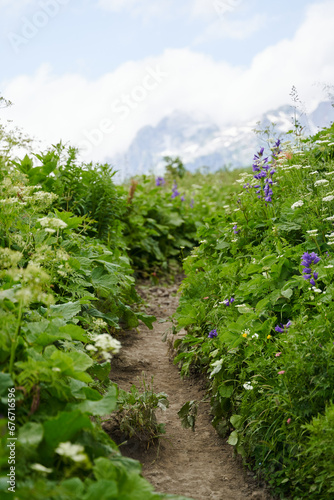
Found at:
[40, 468]
[105, 342]
[297, 204]
[328, 198]
[52, 222]
[9, 258]
[73, 451]
[91, 347]
[56, 369]
[328, 267]
[316, 290]
[248, 386]
[321, 182]
[312, 232]
[330, 218]
[329, 173]
[315, 172]
[255, 336]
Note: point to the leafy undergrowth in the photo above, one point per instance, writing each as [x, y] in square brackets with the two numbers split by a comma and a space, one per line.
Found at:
[257, 305]
[66, 290]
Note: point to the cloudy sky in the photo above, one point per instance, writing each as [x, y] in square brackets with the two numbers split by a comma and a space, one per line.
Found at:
[93, 72]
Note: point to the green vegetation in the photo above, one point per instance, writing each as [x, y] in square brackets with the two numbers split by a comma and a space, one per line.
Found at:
[257, 304]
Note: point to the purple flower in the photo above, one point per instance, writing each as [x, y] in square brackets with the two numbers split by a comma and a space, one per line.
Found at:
[308, 260]
[160, 181]
[232, 300]
[226, 302]
[213, 334]
[175, 192]
[183, 198]
[192, 203]
[283, 328]
[235, 229]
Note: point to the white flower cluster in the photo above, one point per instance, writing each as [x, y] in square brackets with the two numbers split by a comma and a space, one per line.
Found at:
[248, 386]
[99, 324]
[330, 238]
[329, 173]
[51, 224]
[313, 232]
[330, 218]
[328, 198]
[315, 172]
[321, 182]
[105, 345]
[330, 266]
[73, 451]
[9, 258]
[297, 204]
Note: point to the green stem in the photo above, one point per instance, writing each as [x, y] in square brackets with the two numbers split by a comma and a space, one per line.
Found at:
[14, 341]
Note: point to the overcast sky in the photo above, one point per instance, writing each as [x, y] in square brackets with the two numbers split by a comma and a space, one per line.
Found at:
[93, 72]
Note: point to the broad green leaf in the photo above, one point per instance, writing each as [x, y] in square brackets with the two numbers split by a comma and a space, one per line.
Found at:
[67, 311]
[75, 332]
[5, 382]
[99, 408]
[236, 421]
[233, 438]
[31, 434]
[65, 427]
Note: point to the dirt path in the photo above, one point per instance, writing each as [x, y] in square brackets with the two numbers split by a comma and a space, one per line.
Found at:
[197, 464]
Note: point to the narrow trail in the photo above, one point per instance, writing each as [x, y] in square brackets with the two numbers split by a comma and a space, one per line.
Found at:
[197, 464]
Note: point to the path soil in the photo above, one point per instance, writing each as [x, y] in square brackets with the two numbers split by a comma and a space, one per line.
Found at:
[199, 464]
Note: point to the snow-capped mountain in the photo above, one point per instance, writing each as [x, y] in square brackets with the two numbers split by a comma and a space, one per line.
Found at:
[203, 144]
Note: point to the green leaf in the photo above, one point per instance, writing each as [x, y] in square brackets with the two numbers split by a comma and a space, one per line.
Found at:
[31, 434]
[287, 293]
[67, 311]
[233, 438]
[65, 427]
[100, 371]
[75, 332]
[99, 408]
[236, 421]
[147, 319]
[226, 391]
[102, 490]
[5, 382]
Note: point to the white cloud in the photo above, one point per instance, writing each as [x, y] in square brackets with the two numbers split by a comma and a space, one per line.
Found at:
[72, 107]
[237, 29]
[143, 8]
[210, 9]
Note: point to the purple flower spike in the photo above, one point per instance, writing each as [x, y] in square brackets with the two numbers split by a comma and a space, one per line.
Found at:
[279, 329]
[232, 300]
[315, 276]
[160, 181]
[312, 282]
[227, 302]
